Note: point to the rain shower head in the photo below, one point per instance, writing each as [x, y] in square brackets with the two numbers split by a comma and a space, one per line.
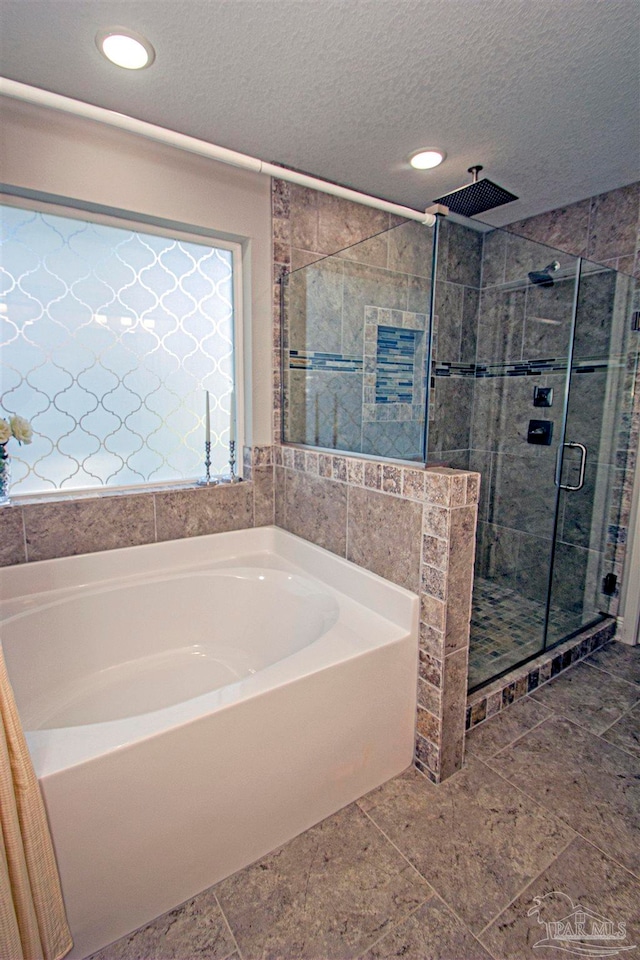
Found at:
[477, 196]
[543, 277]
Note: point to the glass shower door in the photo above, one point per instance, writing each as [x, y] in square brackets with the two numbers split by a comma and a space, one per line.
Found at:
[588, 475]
[526, 309]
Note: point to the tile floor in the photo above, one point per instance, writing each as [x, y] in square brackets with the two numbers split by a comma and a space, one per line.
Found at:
[547, 806]
[507, 627]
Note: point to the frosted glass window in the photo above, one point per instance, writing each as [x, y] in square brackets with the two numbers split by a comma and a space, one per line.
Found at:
[110, 338]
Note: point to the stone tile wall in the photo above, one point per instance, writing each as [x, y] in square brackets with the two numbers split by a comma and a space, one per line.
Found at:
[605, 229]
[47, 528]
[331, 355]
[415, 527]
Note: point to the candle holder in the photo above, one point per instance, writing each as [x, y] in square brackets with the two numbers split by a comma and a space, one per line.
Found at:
[232, 478]
[207, 480]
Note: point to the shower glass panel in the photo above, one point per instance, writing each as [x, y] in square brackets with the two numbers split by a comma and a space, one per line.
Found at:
[591, 474]
[531, 355]
[502, 342]
[355, 346]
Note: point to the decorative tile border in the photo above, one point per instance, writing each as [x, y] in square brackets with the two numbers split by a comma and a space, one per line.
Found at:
[330, 362]
[520, 368]
[500, 694]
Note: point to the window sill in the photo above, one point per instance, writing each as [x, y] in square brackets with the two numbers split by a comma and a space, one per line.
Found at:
[59, 496]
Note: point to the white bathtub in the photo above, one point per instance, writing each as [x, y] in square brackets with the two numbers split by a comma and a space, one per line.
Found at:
[191, 705]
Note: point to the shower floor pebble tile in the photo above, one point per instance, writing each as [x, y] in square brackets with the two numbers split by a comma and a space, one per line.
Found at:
[506, 628]
[544, 817]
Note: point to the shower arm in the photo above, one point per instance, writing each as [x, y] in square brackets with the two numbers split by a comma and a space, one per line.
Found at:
[54, 101]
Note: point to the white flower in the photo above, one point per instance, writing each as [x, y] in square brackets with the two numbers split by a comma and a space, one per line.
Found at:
[21, 429]
[5, 431]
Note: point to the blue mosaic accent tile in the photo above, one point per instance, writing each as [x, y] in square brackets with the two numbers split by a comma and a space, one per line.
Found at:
[312, 360]
[523, 368]
[395, 359]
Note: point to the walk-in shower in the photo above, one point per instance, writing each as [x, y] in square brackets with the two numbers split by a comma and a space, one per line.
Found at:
[530, 355]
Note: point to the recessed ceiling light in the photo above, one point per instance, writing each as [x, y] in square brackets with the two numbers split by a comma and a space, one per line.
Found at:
[425, 159]
[125, 48]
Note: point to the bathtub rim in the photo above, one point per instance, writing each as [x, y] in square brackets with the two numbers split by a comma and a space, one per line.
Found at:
[72, 574]
[55, 750]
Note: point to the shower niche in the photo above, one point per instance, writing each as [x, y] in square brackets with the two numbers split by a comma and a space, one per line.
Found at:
[469, 346]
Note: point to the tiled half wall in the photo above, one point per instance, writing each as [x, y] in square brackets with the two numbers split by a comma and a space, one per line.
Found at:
[415, 527]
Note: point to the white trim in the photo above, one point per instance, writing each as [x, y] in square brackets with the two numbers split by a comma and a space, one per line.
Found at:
[163, 228]
[95, 213]
[54, 101]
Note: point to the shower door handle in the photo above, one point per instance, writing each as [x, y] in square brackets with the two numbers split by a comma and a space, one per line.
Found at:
[583, 464]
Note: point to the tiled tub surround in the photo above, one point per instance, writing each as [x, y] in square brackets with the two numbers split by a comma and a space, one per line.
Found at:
[60, 527]
[416, 528]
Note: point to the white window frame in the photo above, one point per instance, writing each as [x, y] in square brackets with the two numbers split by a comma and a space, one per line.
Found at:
[142, 223]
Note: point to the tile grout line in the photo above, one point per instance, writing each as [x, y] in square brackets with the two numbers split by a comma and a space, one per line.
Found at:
[557, 817]
[576, 722]
[393, 927]
[396, 848]
[615, 676]
[601, 736]
[224, 917]
[528, 796]
[24, 536]
[512, 742]
[155, 520]
[434, 896]
[525, 888]
[422, 877]
[622, 716]
[608, 856]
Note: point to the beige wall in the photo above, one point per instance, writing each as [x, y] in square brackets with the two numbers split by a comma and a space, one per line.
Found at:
[50, 152]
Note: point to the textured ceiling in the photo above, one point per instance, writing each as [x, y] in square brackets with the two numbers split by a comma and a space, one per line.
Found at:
[543, 93]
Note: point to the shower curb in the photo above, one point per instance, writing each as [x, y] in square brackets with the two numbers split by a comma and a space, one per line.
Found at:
[497, 696]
